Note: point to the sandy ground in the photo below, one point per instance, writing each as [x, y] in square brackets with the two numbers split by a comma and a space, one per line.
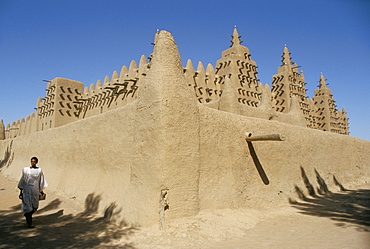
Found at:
[333, 220]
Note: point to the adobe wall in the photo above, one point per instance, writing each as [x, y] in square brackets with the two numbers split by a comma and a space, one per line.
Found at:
[90, 156]
[229, 175]
[119, 157]
[123, 171]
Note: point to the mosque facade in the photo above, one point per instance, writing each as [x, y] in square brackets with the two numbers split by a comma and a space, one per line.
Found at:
[67, 100]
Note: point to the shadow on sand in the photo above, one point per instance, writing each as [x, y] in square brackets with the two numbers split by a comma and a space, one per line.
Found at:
[55, 230]
[349, 207]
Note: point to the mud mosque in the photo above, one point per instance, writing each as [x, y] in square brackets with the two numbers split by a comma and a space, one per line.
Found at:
[67, 101]
[158, 129]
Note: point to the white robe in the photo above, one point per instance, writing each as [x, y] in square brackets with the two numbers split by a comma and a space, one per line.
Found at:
[32, 182]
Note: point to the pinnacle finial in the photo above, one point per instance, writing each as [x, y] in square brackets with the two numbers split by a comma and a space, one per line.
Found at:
[286, 57]
[322, 83]
[235, 38]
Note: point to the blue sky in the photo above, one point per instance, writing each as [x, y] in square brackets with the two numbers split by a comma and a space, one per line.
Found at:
[86, 40]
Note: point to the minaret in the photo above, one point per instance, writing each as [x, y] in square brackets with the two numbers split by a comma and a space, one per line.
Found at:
[286, 59]
[280, 87]
[322, 82]
[325, 105]
[344, 122]
[235, 41]
[2, 130]
[288, 82]
[236, 62]
[329, 118]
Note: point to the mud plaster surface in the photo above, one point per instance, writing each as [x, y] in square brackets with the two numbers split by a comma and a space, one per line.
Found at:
[336, 220]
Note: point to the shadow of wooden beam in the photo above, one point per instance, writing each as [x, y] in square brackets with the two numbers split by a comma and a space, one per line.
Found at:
[258, 164]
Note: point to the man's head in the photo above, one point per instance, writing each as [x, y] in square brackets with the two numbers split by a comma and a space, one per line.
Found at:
[34, 161]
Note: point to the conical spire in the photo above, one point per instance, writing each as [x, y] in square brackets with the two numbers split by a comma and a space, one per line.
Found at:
[92, 87]
[322, 82]
[98, 84]
[189, 65]
[235, 41]
[123, 74]
[106, 81]
[2, 130]
[229, 100]
[156, 37]
[200, 67]
[114, 76]
[167, 112]
[287, 60]
[165, 61]
[236, 49]
[153, 43]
